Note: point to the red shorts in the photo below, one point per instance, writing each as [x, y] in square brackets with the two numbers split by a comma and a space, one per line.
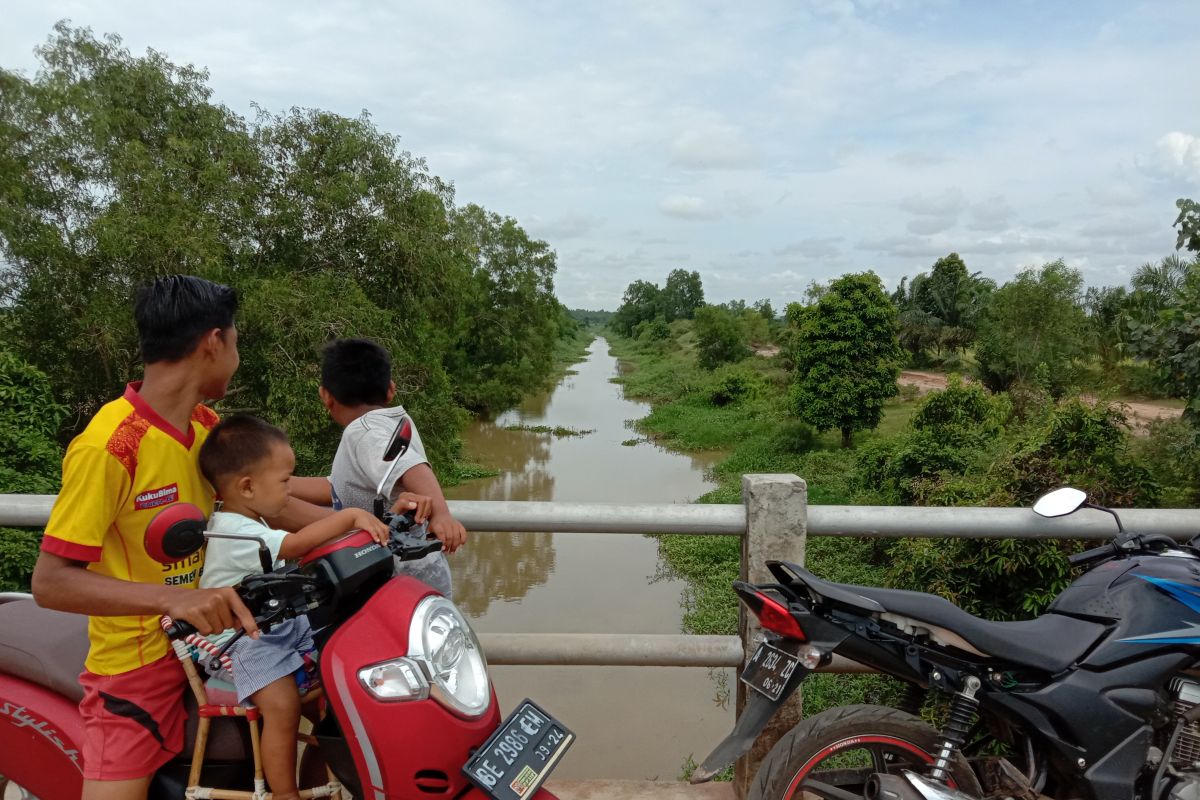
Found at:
[133, 722]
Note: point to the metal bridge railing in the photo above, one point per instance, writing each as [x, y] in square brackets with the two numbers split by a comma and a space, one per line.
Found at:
[774, 522]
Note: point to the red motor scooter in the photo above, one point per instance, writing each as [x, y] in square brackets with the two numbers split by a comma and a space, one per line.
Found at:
[411, 710]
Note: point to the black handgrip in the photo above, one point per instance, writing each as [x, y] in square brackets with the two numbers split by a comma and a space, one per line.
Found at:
[179, 629]
[1095, 554]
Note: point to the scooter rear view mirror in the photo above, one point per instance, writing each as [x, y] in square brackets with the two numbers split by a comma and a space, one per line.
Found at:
[397, 446]
[178, 531]
[175, 533]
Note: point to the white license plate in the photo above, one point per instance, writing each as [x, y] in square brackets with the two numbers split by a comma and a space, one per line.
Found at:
[518, 757]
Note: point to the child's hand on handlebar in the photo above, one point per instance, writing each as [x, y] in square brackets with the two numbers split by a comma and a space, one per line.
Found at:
[421, 504]
[366, 521]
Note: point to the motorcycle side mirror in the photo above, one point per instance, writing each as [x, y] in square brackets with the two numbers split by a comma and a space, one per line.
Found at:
[178, 531]
[397, 446]
[1060, 502]
[401, 438]
[175, 533]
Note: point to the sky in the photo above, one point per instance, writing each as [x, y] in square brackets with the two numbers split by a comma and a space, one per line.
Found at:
[764, 144]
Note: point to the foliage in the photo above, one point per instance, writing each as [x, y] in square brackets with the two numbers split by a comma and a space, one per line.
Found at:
[1188, 223]
[720, 337]
[1171, 452]
[940, 310]
[644, 302]
[733, 384]
[116, 169]
[1078, 444]
[1171, 339]
[1034, 319]
[590, 318]
[29, 458]
[1107, 320]
[682, 295]
[846, 356]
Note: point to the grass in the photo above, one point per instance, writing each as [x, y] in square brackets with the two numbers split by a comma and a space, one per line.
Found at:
[557, 430]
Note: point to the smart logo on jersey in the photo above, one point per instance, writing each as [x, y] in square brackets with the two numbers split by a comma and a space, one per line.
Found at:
[156, 497]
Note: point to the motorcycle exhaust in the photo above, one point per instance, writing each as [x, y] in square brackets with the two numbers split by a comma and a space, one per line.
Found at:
[909, 786]
[882, 786]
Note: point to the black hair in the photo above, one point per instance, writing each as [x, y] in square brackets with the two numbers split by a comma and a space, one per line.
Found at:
[175, 312]
[357, 372]
[236, 444]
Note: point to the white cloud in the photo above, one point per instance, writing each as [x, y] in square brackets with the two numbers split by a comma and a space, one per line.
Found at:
[715, 146]
[687, 207]
[948, 203]
[811, 248]
[1179, 155]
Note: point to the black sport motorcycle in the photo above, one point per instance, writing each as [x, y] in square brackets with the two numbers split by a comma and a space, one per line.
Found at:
[1098, 699]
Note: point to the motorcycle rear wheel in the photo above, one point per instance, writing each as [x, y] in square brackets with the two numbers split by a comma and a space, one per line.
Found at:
[843, 746]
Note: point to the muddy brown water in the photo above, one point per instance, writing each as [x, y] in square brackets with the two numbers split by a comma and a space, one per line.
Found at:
[631, 722]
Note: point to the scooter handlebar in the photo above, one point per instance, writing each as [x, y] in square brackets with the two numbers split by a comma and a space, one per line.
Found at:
[179, 629]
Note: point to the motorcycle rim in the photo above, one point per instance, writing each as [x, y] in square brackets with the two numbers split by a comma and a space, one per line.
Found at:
[886, 753]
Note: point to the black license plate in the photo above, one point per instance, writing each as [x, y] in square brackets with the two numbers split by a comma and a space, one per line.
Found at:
[514, 761]
[769, 670]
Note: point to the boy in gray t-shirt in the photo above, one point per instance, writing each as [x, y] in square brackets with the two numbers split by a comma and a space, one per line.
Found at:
[357, 388]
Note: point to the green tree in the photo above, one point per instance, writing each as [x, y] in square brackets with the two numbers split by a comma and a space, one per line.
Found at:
[1107, 319]
[506, 347]
[940, 310]
[642, 302]
[846, 354]
[1033, 319]
[113, 170]
[1171, 341]
[1188, 223]
[30, 458]
[682, 295]
[720, 337]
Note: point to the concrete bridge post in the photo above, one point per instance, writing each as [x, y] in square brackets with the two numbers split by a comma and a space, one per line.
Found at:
[776, 528]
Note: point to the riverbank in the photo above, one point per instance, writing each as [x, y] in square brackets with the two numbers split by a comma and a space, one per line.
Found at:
[568, 351]
[741, 411]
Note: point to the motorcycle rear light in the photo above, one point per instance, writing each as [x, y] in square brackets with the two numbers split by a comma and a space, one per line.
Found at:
[394, 681]
[774, 616]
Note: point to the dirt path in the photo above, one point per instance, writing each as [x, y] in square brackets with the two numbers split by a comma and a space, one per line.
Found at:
[1140, 413]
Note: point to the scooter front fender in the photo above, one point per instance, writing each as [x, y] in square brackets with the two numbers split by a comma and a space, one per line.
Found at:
[41, 740]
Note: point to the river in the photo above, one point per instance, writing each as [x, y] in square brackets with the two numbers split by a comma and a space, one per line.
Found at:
[631, 722]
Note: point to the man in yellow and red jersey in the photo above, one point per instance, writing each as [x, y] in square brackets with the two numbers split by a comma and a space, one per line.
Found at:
[138, 454]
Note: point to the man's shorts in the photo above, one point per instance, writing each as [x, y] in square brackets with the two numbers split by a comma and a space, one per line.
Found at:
[133, 722]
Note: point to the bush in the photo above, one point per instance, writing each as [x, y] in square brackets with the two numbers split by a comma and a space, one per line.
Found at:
[795, 437]
[733, 384]
[18, 553]
[720, 337]
[1172, 455]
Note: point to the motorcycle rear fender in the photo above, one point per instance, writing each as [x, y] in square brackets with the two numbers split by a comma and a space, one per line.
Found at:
[759, 708]
[41, 740]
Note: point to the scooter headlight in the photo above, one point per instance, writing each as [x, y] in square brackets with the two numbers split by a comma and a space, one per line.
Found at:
[442, 641]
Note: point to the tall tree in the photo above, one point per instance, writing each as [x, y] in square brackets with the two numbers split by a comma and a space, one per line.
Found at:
[846, 354]
[682, 295]
[642, 302]
[1032, 320]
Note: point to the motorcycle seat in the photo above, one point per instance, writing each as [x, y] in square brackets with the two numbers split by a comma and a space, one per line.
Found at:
[48, 648]
[43, 646]
[1051, 642]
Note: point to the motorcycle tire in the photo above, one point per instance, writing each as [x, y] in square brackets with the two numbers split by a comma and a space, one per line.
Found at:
[845, 745]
